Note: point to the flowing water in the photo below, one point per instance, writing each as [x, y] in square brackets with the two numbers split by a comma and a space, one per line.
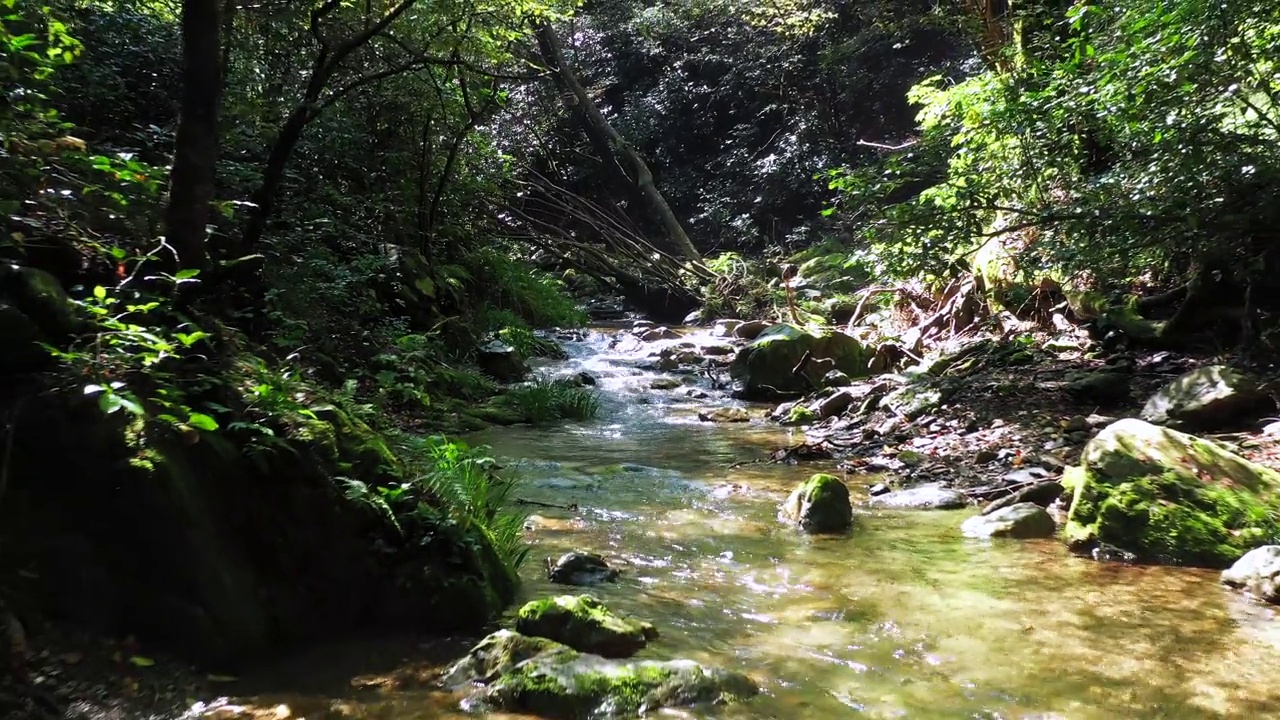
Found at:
[904, 618]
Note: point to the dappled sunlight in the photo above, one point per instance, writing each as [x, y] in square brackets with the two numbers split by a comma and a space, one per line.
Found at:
[901, 617]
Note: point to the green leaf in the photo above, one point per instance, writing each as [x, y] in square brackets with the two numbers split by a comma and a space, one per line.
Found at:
[140, 661]
[100, 292]
[187, 274]
[201, 421]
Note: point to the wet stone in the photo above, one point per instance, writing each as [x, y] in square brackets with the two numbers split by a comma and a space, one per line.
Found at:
[933, 496]
[724, 415]
[1042, 494]
[1257, 573]
[580, 568]
[1022, 521]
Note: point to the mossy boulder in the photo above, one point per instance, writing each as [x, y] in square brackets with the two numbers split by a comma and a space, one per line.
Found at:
[1208, 398]
[820, 505]
[40, 297]
[766, 366]
[1169, 497]
[584, 623]
[510, 672]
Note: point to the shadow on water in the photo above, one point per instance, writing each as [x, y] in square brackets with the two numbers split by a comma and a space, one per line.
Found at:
[903, 617]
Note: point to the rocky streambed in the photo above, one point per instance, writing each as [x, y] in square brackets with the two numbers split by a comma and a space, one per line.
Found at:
[904, 555]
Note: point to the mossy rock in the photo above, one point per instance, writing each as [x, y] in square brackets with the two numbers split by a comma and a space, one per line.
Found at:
[913, 400]
[498, 413]
[517, 673]
[358, 445]
[820, 505]
[584, 623]
[1209, 398]
[41, 298]
[1169, 497]
[765, 366]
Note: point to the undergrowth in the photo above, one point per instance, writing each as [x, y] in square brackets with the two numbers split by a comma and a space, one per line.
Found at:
[544, 400]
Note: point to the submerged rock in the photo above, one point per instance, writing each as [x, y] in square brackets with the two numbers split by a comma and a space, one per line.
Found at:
[1170, 497]
[724, 415]
[933, 496]
[1209, 398]
[1257, 573]
[725, 328]
[502, 362]
[584, 623]
[820, 505]
[768, 366]
[665, 384]
[659, 333]
[580, 568]
[1023, 520]
[510, 672]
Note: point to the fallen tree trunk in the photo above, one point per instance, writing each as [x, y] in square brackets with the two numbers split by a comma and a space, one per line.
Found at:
[599, 126]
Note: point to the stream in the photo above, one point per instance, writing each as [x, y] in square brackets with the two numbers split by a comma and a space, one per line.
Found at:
[904, 618]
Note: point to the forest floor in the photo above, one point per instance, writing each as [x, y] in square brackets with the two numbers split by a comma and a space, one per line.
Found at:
[72, 675]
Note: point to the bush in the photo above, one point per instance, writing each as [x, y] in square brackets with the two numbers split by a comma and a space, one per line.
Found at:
[544, 401]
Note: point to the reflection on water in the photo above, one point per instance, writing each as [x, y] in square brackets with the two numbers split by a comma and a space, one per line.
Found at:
[903, 618]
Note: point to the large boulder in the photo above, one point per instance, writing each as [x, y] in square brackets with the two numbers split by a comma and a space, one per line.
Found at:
[766, 366]
[502, 362]
[1208, 398]
[1022, 520]
[510, 672]
[1257, 573]
[1169, 497]
[584, 623]
[820, 505]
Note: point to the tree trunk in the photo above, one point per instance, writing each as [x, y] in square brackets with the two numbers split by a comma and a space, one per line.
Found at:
[193, 180]
[264, 198]
[598, 124]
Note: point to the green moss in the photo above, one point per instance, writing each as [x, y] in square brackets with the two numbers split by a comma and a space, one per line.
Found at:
[766, 365]
[584, 623]
[1170, 497]
[820, 505]
[800, 415]
[1173, 519]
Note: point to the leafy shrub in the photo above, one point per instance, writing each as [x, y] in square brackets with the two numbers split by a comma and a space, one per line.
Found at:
[544, 401]
[463, 481]
[537, 298]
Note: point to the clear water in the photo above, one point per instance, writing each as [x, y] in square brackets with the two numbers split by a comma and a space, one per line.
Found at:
[902, 619]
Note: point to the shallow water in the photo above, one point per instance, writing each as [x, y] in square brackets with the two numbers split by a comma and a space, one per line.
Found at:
[904, 618]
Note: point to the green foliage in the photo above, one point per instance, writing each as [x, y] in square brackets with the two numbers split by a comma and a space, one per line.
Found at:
[463, 482]
[1134, 143]
[544, 401]
[741, 289]
[538, 299]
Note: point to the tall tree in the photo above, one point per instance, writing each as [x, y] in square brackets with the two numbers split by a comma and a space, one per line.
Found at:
[192, 182]
[599, 126]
